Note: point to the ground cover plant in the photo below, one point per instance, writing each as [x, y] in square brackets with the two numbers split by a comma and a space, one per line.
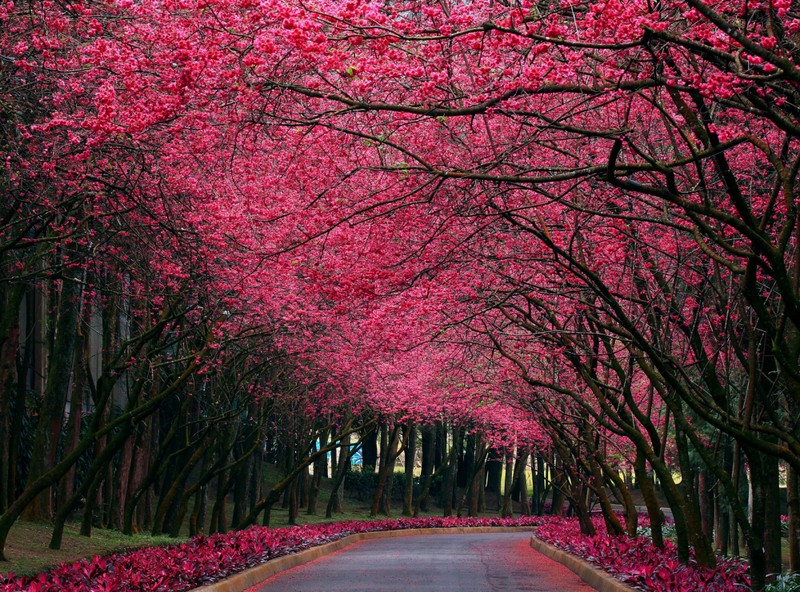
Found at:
[638, 563]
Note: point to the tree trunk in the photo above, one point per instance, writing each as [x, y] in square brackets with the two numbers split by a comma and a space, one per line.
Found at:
[440, 453]
[476, 486]
[521, 479]
[451, 476]
[772, 516]
[369, 451]
[614, 527]
[648, 490]
[345, 454]
[171, 497]
[320, 471]
[466, 463]
[410, 461]
[382, 501]
[219, 521]
[54, 399]
[197, 519]
[67, 484]
[11, 300]
[793, 503]
[294, 494]
[506, 510]
[494, 477]
[241, 486]
[121, 482]
[92, 479]
[706, 507]
[428, 458]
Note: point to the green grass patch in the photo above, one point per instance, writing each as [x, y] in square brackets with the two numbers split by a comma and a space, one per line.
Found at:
[28, 553]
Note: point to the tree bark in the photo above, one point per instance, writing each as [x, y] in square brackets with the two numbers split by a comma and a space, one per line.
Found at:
[506, 510]
[369, 451]
[54, 399]
[381, 502]
[654, 513]
[345, 455]
[11, 299]
[428, 458]
[793, 499]
[410, 461]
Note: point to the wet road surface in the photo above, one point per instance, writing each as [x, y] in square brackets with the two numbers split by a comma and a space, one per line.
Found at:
[502, 562]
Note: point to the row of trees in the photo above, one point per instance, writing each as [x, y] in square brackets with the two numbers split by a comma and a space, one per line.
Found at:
[569, 226]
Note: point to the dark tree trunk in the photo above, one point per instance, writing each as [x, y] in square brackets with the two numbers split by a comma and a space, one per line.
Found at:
[494, 474]
[522, 484]
[645, 482]
[219, 522]
[428, 458]
[477, 479]
[10, 302]
[451, 476]
[466, 463]
[66, 486]
[320, 470]
[170, 498]
[410, 461]
[506, 510]
[538, 487]
[197, 519]
[369, 451]
[54, 400]
[441, 446]
[706, 503]
[772, 516]
[335, 501]
[793, 499]
[294, 498]
[121, 479]
[386, 477]
[97, 472]
[722, 509]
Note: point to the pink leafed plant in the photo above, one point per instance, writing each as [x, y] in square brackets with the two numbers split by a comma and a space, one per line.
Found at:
[641, 565]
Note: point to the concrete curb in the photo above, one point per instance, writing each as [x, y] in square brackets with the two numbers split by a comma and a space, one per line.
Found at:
[249, 578]
[593, 576]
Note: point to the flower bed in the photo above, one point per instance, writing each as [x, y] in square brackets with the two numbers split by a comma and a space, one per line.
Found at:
[207, 559]
[641, 565]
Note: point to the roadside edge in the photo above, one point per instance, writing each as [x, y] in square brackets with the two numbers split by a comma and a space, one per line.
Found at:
[590, 574]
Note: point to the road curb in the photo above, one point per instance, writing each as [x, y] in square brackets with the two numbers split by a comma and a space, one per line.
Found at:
[247, 579]
[584, 570]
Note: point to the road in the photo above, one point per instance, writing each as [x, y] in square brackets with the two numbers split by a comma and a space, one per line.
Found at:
[502, 562]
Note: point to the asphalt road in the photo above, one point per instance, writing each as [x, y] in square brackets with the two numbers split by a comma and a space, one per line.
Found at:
[502, 562]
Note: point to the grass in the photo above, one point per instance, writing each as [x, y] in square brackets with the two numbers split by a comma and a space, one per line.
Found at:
[28, 553]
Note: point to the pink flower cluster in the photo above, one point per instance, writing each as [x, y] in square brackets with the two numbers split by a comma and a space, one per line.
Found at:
[207, 559]
[641, 565]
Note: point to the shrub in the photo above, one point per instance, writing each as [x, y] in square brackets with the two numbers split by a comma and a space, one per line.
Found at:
[785, 582]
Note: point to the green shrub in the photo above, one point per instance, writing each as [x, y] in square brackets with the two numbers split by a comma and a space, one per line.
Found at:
[785, 582]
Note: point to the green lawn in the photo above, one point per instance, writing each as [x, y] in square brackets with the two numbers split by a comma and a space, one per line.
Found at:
[28, 552]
